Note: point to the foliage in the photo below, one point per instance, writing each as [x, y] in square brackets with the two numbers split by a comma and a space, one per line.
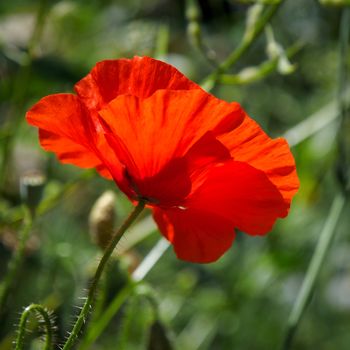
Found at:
[243, 301]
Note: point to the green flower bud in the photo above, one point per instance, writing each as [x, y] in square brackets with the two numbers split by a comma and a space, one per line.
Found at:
[102, 218]
[31, 189]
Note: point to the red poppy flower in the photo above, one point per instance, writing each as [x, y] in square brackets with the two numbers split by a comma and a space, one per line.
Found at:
[202, 164]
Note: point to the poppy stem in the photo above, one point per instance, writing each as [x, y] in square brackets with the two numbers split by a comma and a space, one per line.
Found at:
[44, 315]
[138, 275]
[308, 286]
[343, 105]
[91, 294]
[99, 326]
[16, 261]
[20, 90]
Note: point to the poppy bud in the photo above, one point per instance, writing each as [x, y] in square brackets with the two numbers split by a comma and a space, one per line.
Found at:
[31, 189]
[102, 218]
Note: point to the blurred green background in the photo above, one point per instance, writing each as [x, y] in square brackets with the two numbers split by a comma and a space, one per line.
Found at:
[241, 301]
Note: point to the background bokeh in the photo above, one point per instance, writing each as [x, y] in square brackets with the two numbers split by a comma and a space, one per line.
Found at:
[242, 301]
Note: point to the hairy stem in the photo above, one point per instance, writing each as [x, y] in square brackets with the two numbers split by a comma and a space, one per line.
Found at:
[91, 294]
[99, 326]
[39, 309]
[138, 275]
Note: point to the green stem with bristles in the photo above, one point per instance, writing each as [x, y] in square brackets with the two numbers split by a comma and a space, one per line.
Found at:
[39, 309]
[91, 294]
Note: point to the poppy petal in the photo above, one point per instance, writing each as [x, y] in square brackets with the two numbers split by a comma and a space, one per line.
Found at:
[234, 195]
[139, 76]
[167, 187]
[249, 143]
[67, 151]
[197, 236]
[153, 131]
[206, 153]
[242, 194]
[64, 129]
[179, 176]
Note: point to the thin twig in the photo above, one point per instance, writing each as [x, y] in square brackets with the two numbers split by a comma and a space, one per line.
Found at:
[16, 261]
[210, 81]
[328, 232]
[308, 286]
[252, 74]
[343, 165]
[194, 32]
[150, 260]
[19, 93]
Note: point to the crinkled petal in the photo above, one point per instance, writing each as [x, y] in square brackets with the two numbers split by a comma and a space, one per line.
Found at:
[197, 236]
[249, 143]
[153, 131]
[166, 188]
[180, 176]
[206, 153]
[242, 194]
[234, 195]
[140, 76]
[65, 129]
[68, 151]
